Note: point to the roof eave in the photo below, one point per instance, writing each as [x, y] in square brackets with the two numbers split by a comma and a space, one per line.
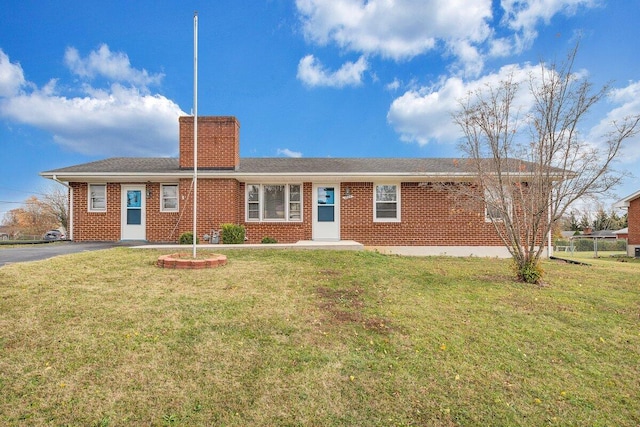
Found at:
[113, 176]
[625, 202]
[262, 176]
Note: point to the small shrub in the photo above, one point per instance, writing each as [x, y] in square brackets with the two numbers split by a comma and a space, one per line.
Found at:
[187, 238]
[531, 272]
[268, 239]
[232, 234]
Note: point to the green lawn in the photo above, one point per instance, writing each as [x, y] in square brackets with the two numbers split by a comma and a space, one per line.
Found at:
[317, 338]
[589, 254]
[603, 258]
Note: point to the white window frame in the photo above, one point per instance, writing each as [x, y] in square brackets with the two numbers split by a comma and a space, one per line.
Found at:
[163, 208]
[256, 202]
[376, 201]
[261, 200]
[290, 202]
[90, 204]
[489, 196]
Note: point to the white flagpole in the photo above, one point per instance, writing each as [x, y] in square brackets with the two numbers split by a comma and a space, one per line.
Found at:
[195, 131]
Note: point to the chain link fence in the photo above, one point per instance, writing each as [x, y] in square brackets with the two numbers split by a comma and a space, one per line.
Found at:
[594, 246]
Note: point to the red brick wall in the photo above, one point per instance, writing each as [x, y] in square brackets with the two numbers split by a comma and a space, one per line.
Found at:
[634, 222]
[161, 226]
[98, 226]
[428, 218]
[217, 205]
[218, 142]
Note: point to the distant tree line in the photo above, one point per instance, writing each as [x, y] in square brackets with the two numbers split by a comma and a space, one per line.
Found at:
[36, 216]
[600, 220]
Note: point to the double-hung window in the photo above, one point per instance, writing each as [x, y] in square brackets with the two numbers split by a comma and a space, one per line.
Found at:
[169, 195]
[97, 198]
[253, 202]
[386, 203]
[274, 202]
[497, 204]
[295, 203]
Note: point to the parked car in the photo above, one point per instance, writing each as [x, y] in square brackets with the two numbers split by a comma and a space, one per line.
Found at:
[53, 235]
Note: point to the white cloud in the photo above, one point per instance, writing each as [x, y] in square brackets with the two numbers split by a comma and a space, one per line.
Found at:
[500, 47]
[524, 16]
[470, 58]
[312, 73]
[120, 121]
[113, 66]
[424, 115]
[403, 29]
[626, 103]
[393, 86]
[289, 153]
[11, 76]
[116, 120]
[398, 29]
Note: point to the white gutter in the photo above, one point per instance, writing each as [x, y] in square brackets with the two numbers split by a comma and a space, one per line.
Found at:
[70, 230]
[249, 176]
[624, 203]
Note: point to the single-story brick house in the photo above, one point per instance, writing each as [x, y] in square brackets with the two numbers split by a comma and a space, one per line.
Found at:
[632, 204]
[622, 234]
[392, 203]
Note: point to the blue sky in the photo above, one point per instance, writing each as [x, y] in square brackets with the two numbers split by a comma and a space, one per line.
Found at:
[81, 81]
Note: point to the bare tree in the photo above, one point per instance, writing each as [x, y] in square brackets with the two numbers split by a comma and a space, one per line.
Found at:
[57, 201]
[36, 216]
[33, 218]
[531, 165]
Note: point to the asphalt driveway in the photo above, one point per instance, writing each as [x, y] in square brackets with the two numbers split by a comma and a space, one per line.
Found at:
[24, 253]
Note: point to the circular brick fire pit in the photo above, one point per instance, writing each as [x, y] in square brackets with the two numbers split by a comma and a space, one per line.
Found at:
[184, 261]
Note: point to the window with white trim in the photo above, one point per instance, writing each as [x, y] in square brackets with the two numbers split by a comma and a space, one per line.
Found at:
[295, 203]
[97, 197]
[274, 202]
[386, 203]
[169, 198]
[253, 202]
[494, 206]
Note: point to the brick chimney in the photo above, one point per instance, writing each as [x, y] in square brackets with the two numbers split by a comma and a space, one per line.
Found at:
[218, 142]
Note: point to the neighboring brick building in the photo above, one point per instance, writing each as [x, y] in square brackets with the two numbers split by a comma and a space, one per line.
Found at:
[400, 203]
[632, 204]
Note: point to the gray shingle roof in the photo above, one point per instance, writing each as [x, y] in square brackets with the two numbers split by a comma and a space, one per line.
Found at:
[123, 165]
[281, 165]
[347, 165]
[138, 168]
